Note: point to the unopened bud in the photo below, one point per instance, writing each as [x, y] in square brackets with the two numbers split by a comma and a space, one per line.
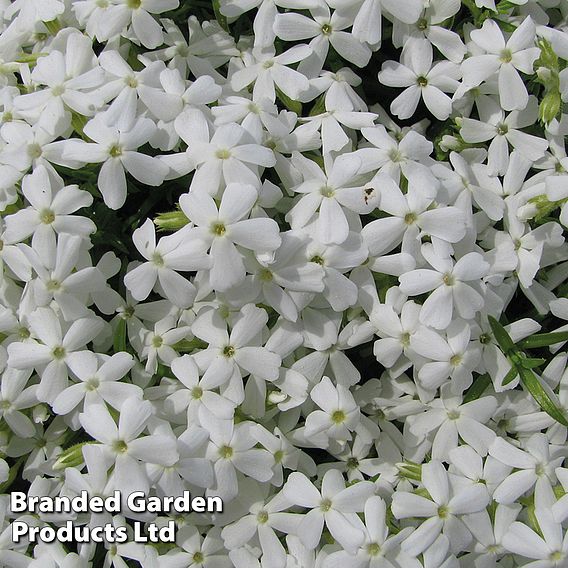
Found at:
[171, 221]
[550, 106]
[71, 457]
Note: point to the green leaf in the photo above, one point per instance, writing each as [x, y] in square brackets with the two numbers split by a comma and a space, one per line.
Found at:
[510, 376]
[478, 387]
[119, 342]
[504, 6]
[543, 398]
[503, 338]
[505, 26]
[219, 17]
[290, 104]
[319, 106]
[12, 474]
[532, 362]
[543, 339]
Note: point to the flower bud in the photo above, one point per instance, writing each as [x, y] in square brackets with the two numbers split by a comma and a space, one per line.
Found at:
[71, 457]
[550, 106]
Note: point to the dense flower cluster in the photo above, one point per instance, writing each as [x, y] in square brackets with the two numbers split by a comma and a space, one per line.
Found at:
[227, 269]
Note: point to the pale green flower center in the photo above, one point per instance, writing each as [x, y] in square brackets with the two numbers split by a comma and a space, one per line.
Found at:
[196, 393]
[373, 549]
[34, 151]
[115, 151]
[218, 229]
[58, 352]
[262, 517]
[93, 384]
[228, 351]
[352, 463]
[338, 417]
[327, 191]
[120, 446]
[506, 56]
[131, 81]
[410, 218]
[455, 360]
[326, 29]
[485, 338]
[540, 470]
[47, 216]
[266, 275]
[448, 279]
[422, 24]
[53, 285]
[157, 341]
[396, 156]
[502, 129]
[223, 154]
[24, 333]
[158, 259]
[226, 452]
[325, 505]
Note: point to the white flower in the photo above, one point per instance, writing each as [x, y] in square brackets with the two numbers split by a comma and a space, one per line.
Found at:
[194, 550]
[422, 79]
[443, 510]
[270, 71]
[182, 251]
[124, 444]
[504, 130]
[411, 215]
[69, 79]
[138, 15]
[15, 397]
[198, 396]
[116, 149]
[232, 449]
[336, 506]
[506, 59]
[331, 193]
[235, 353]
[448, 282]
[221, 156]
[225, 227]
[57, 353]
[549, 550]
[51, 207]
[326, 29]
[99, 382]
[339, 414]
[449, 418]
[264, 519]
[535, 465]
